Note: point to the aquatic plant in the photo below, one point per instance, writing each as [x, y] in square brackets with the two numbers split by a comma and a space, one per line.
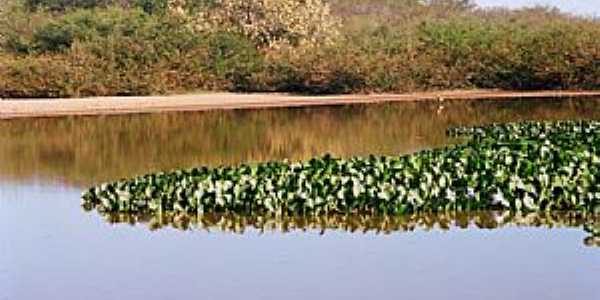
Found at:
[527, 167]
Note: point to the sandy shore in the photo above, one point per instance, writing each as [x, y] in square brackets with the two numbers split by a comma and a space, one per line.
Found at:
[27, 108]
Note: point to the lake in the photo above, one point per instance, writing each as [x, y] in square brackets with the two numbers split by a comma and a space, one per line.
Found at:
[52, 248]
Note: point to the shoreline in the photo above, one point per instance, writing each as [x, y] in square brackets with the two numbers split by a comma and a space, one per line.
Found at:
[94, 106]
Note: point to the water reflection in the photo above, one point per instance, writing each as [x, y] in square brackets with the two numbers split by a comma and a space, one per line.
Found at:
[378, 224]
[82, 151]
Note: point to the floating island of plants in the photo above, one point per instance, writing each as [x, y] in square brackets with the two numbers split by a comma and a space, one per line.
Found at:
[520, 167]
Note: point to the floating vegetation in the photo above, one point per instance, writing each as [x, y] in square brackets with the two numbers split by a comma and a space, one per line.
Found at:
[525, 167]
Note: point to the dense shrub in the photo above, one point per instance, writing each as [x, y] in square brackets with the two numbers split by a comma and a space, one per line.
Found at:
[148, 6]
[323, 70]
[152, 6]
[77, 73]
[473, 53]
[233, 59]
[96, 26]
[125, 52]
[61, 5]
[143, 46]
[126, 67]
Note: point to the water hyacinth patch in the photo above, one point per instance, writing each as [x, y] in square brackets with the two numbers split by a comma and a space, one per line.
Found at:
[529, 167]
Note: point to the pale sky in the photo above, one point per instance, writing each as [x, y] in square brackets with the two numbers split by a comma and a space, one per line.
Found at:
[582, 7]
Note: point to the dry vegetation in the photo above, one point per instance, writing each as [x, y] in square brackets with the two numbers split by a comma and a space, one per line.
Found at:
[64, 48]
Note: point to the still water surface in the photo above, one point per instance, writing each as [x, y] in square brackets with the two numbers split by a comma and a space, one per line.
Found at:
[51, 248]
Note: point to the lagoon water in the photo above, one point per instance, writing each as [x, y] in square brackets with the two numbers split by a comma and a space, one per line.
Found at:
[51, 248]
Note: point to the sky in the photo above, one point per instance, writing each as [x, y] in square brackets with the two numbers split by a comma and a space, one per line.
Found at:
[580, 7]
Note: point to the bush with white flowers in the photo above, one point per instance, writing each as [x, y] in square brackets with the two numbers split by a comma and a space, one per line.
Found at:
[268, 23]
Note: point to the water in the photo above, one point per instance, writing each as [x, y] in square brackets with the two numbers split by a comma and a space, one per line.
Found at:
[51, 248]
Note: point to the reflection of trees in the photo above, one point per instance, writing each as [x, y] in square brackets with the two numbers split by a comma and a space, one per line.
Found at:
[379, 224]
[88, 150]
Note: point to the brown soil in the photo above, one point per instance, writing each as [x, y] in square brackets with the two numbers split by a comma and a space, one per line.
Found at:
[26, 108]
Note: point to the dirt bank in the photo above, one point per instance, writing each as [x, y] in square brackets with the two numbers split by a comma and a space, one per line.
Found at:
[26, 108]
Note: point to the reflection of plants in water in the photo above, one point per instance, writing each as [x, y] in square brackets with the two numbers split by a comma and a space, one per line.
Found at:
[89, 150]
[594, 229]
[362, 223]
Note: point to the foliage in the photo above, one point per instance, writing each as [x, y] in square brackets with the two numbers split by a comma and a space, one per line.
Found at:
[325, 70]
[267, 23]
[95, 26]
[62, 5]
[121, 52]
[475, 53]
[462, 53]
[166, 46]
[535, 167]
[233, 59]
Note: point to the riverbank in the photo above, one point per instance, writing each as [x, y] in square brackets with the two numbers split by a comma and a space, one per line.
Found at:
[30, 108]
